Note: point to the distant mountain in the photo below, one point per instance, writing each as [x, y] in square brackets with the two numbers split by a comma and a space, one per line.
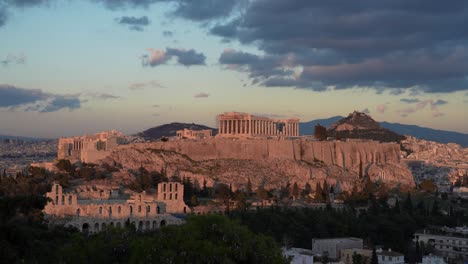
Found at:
[307, 128]
[430, 134]
[169, 130]
[441, 136]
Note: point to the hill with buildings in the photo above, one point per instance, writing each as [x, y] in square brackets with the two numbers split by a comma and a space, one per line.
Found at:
[359, 125]
[430, 134]
[169, 130]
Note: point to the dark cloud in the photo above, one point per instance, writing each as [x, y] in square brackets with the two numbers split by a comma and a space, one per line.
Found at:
[396, 45]
[3, 16]
[204, 9]
[201, 95]
[101, 96]
[185, 57]
[409, 100]
[134, 21]
[124, 4]
[167, 33]
[25, 3]
[60, 102]
[439, 102]
[13, 98]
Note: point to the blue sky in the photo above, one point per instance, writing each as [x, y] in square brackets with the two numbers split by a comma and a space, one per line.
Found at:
[70, 67]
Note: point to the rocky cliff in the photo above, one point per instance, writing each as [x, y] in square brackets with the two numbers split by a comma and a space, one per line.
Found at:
[269, 162]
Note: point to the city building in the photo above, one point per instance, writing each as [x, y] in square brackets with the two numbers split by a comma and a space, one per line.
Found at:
[235, 124]
[299, 255]
[89, 148]
[390, 257]
[346, 255]
[333, 246]
[194, 134]
[449, 243]
[461, 192]
[431, 259]
[90, 208]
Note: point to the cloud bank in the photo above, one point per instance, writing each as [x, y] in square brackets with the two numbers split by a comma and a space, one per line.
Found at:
[183, 57]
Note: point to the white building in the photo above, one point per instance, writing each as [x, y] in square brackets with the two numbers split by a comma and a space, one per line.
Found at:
[450, 243]
[299, 255]
[390, 257]
[333, 246]
[431, 259]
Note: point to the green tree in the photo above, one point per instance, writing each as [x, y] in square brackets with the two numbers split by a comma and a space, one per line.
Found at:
[307, 190]
[319, 193]
[428, 186]
[320, 132]
[295, 190]
[249, 189]
[374, 259]
[408, 204]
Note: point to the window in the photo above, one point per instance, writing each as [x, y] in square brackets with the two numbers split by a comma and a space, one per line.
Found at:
[164, 196]
[170, 187]
[139, 208]
[56, 189]
[170, 196]
[100, 145]
[131, 210]
[100, 210]
[56, 200]
[175, 196]
[148, 209]
[164, 187]
[119, 209]
[158, 210]
[78, 211]
[63, 199]
[176, 187]
[70, 200]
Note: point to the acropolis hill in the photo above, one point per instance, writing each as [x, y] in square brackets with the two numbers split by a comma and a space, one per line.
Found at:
[266, 161]
[266, 151]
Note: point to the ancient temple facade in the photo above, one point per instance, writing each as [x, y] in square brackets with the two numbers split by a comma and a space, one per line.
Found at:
[244, 125]
[89, 148]
[91, 208]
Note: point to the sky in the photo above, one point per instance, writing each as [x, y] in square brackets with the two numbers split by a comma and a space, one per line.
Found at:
[69, 67]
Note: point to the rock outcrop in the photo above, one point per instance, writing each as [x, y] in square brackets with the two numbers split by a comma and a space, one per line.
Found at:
[359, 125]
[269, 162]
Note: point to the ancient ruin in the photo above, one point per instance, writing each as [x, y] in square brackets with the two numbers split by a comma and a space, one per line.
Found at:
[235, 124]
[194, 134]
[89, 148]
[90, 208]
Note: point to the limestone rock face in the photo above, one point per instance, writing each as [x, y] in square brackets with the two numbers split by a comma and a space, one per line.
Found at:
[269, 162]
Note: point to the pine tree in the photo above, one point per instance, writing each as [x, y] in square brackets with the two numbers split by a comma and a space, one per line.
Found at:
[408, 205]
[320, 132]
[435, 208]
[307, 189]
[326, 191]
[319, 193]
[374, 259]
[295, 190]
[249, 187]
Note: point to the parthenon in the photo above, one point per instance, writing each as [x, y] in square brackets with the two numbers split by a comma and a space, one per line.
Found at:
[244, 124]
